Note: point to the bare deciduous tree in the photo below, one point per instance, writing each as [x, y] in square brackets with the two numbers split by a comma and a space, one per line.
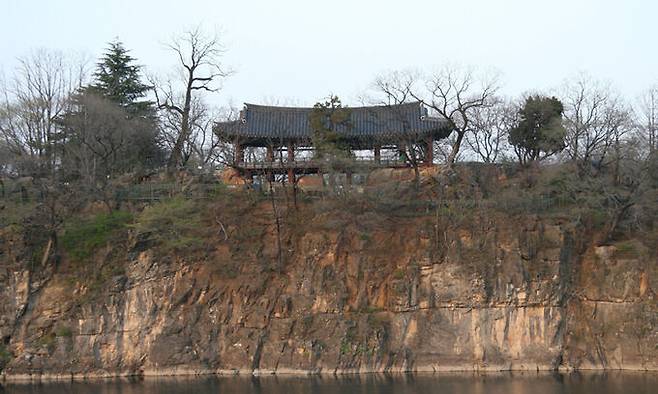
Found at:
[226, 154]
[208, 148]
[394, 89]
[33, 102]
[648, 119]
[199, 56]
[456, 94]
[103, 141]
[491, 126]
[170, 129]
[596, 119]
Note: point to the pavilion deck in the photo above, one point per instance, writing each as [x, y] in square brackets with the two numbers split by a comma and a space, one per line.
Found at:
[310, 165]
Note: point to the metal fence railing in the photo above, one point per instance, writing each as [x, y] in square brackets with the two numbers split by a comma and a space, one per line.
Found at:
[154, 192]
[528, 205]
[24, 193]
[146, 192]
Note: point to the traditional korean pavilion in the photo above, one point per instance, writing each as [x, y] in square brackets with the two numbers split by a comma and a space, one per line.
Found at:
[287, 136]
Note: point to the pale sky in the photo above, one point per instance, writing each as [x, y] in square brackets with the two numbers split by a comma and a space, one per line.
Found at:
[300, 51]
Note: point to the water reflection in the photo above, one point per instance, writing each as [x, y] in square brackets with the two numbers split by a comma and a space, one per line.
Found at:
[448, 383]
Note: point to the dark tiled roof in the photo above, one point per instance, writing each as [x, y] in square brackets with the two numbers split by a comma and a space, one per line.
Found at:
[267, 122]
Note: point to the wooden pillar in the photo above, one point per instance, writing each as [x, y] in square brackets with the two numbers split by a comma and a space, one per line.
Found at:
[291, 160]
[348, 172]
[239, 153]
[429, 152]
[269, 158]
[378, 154]
[402, 150]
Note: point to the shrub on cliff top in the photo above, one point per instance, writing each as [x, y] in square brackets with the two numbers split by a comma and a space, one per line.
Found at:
[176, 224]
[83, 236]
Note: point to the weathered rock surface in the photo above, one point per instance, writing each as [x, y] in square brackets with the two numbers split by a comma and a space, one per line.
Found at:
[495, 296]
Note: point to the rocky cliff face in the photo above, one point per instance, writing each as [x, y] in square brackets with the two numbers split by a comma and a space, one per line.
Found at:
[493, 294]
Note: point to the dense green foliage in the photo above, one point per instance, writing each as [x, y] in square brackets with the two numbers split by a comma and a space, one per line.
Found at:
[539, 132]
[118, 79]
[175, 224]
[326, 119]
[84, 236]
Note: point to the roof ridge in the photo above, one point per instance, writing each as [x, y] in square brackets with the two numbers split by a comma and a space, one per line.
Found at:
[301, 109]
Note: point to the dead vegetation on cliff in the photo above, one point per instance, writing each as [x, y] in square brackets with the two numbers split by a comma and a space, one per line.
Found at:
[195, 218]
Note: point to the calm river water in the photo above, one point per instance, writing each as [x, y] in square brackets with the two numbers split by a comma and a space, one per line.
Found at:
[501, 383]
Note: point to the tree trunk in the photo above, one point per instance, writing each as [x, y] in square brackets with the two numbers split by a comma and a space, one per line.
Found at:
[277, 223]
[416, 176]
[612, 227]
[177, 152]
[455, 148]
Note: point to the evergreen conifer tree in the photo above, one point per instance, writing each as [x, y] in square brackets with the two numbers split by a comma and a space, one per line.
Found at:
[539, 132]
[118, 79]
[109, 112]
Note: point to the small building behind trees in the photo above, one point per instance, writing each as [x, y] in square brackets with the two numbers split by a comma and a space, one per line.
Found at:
[303, 140]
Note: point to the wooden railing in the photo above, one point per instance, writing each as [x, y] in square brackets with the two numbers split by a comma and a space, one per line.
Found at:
[314, 163]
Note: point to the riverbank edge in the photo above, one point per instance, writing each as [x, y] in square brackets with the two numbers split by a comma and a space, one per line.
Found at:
[191, 372]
